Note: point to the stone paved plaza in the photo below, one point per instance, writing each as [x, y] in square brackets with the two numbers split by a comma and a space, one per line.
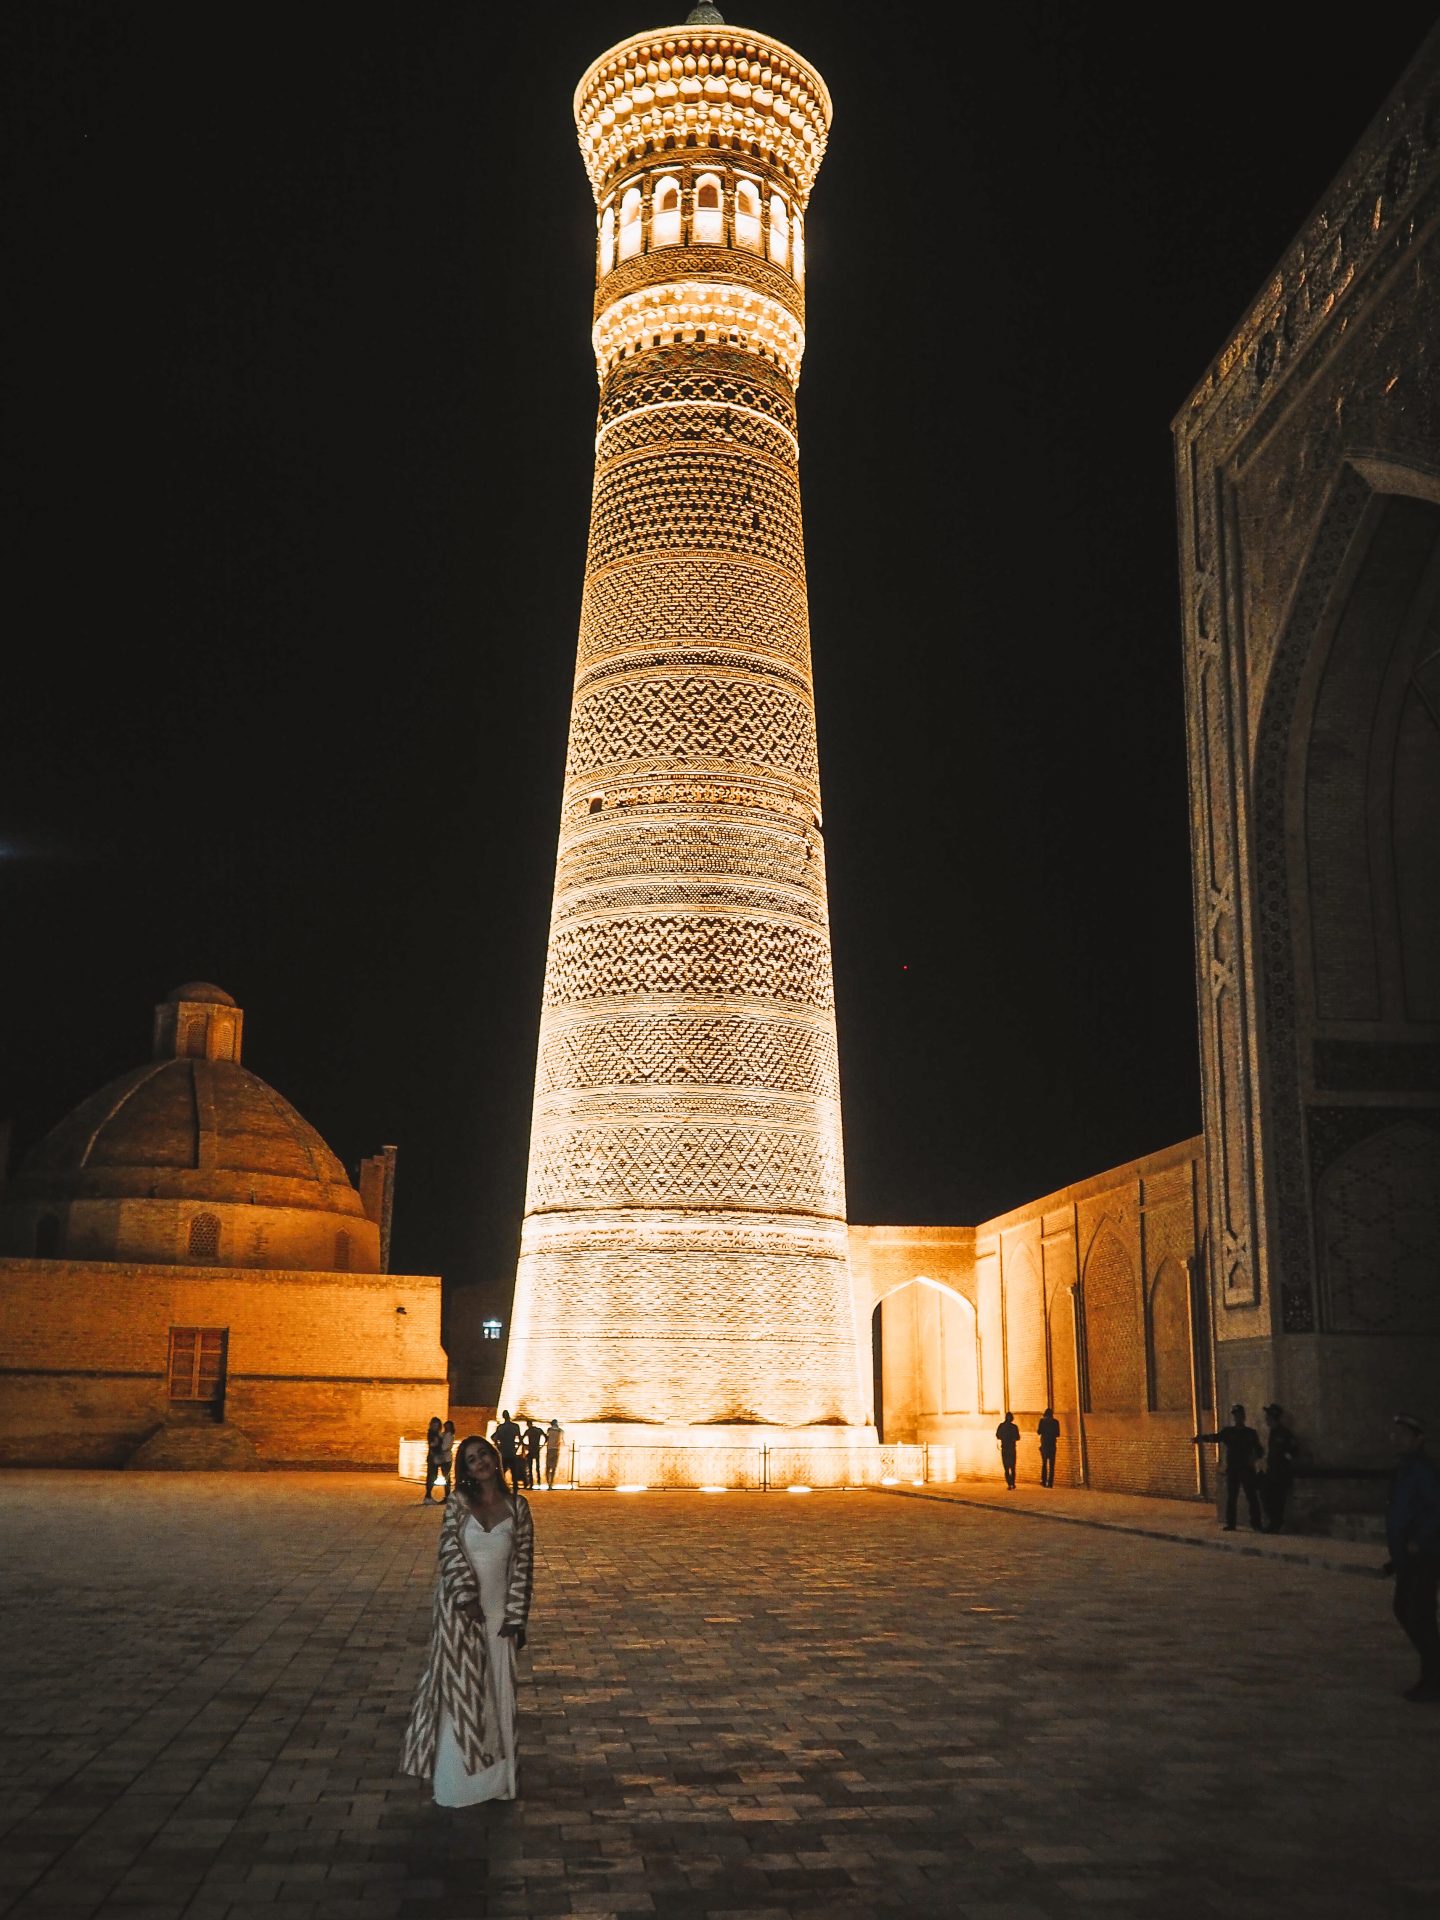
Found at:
[732, 1706]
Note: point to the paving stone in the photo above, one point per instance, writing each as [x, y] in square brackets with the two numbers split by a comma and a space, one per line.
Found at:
[882, 1706]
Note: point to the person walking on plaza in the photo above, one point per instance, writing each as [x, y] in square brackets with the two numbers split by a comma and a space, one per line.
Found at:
[461, 1733]
[1049, 1432]
[507, 1438]
[447, 1457]
[534, 1445]
[1008, 1434]
[432, 1457]
[1241, 1447]
[1278, 1474]
[1412, 1533]
[554, 1440]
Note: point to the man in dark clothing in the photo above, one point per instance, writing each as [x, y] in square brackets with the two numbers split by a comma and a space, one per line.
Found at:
[534, 1445]
[507, 1438]
[1278, 1475]
[447, 1456]
[432, 1458]
[1241, 1446]
[1412, 1533]
[1008, 1434]
[1049, 1432]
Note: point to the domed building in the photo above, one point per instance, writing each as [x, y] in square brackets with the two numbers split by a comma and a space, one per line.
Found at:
[191, 1158]
[183, 1254]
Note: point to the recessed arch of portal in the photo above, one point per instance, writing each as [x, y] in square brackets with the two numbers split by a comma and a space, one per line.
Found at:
[1346, 790]
[928, 1348]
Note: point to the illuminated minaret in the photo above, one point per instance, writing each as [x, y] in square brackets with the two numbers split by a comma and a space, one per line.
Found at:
[683, 1260]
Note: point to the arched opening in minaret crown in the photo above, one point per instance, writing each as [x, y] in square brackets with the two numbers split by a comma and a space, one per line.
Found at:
[709, 222]
[607, 241]
[747, 216]
[631, 233]
[665, 212]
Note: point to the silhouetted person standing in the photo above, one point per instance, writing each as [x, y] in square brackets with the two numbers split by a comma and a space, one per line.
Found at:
[1241, 1447]
[507, 1438]
[1008, 1434]
[534, 1443]
[432, 1457]
[1412, 1532]
[1049, 1432]
[554, 1440]
[1279, 1475]
[447, 1456]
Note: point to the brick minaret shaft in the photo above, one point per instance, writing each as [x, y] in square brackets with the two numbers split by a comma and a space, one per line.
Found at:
[683, 1258]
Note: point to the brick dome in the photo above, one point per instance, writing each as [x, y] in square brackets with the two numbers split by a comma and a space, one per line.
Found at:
[190, 1157]
[208, 1129]
[200, 990]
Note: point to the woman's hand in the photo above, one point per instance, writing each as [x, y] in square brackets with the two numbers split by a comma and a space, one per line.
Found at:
[511, 1632]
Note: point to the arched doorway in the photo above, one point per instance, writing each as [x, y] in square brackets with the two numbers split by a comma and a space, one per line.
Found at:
[925, 1355]
[1346, 820]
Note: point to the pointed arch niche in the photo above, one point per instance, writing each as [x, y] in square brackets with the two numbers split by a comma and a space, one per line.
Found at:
[926, 1357]
[1346, 822]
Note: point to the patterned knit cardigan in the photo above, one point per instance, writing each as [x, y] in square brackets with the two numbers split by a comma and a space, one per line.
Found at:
[457, 1661]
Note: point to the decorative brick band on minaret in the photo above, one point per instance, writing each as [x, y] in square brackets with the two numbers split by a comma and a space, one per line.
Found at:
[683, 1259]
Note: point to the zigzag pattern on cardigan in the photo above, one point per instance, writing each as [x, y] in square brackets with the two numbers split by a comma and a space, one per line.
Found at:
[457, 1660]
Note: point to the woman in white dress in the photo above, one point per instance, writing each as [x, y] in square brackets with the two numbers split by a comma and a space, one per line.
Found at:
[461, 1735]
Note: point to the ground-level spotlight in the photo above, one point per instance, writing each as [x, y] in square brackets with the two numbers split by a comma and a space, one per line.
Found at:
[714, 1489]
[890, 1481]
[635, 1487]
[799, 1489]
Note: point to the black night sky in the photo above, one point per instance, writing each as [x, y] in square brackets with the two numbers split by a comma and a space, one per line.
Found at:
[300, 405]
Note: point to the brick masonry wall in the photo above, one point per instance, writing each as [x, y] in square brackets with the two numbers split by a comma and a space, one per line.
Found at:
[1099, 1267]
[321, 1367]
[1141, 1453]
[147, 1231]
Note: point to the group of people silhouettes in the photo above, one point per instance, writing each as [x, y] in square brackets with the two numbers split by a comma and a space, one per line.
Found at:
[522, 1450]
[526, 1452]
[1263, 1470]
[1048, 1431]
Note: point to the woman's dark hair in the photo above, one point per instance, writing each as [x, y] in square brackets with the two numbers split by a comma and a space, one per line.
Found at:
[463, 1479]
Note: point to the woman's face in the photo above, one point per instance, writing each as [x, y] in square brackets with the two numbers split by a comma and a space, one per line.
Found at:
[478, 1464]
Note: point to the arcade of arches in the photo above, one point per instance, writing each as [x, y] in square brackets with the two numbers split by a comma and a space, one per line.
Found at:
[1089, 1300]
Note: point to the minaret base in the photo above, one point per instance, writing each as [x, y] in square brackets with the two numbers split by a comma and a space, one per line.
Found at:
[630, 1454]
[635, 1453]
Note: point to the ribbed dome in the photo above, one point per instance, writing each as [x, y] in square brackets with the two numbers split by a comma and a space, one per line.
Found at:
[200, 990]
[206, 1129]
[190, 1159]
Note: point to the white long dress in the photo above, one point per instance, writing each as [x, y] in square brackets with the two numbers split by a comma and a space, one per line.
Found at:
[489, 1555]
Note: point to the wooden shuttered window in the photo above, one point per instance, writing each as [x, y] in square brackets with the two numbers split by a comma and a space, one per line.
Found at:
[197, 1363]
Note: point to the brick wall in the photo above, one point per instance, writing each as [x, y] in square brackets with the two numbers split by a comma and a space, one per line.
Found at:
[1114, 1326]
[1100, 1267]
[321, 1367]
